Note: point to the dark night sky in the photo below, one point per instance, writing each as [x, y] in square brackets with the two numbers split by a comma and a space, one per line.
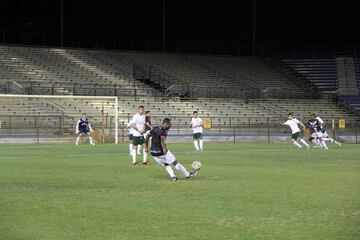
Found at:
[291, 21]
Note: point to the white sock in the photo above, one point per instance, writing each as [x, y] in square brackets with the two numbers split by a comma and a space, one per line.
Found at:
[139, 149]
[90, 140]
[297, 144]
[134, 155]
[182, 169]
[170, 171]
[324, 144]
[196, 145]
[201, 144]
[131, 146]
[337, 143]
[303, 142]
[78, 139]
[144, 156]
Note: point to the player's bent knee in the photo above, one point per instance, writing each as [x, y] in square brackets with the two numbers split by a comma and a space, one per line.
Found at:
[175, 163]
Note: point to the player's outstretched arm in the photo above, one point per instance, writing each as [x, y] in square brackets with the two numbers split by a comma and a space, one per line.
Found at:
[77, 127]
[90, 128]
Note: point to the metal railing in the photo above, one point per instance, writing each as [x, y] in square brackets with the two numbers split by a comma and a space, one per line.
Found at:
[61, 128]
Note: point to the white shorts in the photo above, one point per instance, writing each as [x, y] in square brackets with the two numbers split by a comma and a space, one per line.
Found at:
[167, 159]
[325, 134]
[320, 134]
[314, 135]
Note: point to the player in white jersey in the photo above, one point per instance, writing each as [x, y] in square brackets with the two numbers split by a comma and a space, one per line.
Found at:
[138, 125]
[324, 135]
[130, 134]
[295, 130]
[196, 125]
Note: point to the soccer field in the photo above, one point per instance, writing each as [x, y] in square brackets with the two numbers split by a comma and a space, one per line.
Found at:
[243, 191]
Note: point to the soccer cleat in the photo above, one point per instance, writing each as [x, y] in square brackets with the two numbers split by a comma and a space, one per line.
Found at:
[192, 174]
[174, 179]
[92, 144]
[146, 163]
[134, 163]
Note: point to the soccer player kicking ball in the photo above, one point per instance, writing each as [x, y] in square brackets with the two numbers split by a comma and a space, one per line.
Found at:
[295, 130]
[161, 154]
[83, 127]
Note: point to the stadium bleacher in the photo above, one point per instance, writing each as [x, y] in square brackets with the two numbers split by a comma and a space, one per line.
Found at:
[55, 71]
[318, 68]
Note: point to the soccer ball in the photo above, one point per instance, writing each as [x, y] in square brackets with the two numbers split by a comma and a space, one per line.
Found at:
[196, 165]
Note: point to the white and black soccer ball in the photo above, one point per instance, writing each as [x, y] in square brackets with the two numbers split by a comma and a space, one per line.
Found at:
[196, 165]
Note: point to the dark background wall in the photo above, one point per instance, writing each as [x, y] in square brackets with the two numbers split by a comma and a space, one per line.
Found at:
[197, 20]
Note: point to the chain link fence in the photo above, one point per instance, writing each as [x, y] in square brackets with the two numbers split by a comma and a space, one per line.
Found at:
[61, 129]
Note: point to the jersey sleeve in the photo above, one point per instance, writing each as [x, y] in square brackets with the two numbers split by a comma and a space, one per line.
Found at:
[320, 120]
[296, 121]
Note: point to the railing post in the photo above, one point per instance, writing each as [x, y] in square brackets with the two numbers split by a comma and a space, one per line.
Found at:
[234, 133]
[356, 131]
[10, 125]
[37, 130]
[61, 124]
[268, 128]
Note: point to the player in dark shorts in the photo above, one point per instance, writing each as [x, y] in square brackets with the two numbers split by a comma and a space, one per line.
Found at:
[83, 127]
[161, 154]
[314, 128]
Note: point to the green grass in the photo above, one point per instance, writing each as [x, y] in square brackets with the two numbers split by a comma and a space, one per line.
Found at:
[243, 191]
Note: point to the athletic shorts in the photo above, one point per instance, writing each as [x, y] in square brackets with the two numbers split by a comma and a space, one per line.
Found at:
[296, 135]
[325, 134]
[314, 135]
[197, 135]
[84, 131]
[167, 159]
[138, 140]
[130, 137]
[320, 135]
